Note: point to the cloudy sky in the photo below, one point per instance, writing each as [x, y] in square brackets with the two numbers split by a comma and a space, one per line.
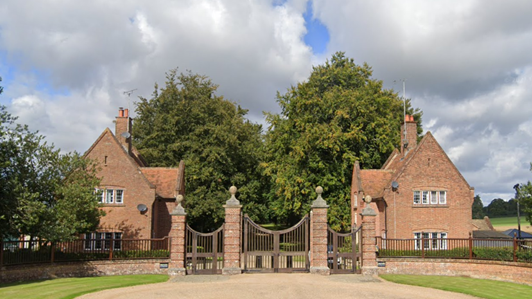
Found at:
[467, 64]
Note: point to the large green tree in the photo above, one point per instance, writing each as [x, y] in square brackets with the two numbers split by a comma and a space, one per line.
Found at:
[44, 194]
[187, 121]
[338, 116]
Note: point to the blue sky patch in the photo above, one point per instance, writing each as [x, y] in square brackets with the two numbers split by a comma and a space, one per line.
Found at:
[317, 36]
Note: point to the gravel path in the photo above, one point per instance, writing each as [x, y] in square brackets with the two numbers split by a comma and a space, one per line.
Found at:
[274, 286]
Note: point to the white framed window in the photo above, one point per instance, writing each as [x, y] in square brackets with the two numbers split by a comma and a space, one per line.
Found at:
[425, 197]
[119, 196]
[417, 197]
[430, 197]
[433, 197]
[110, 196]
[443, 240]
[102, 241]
[443, 197]
[431, 240]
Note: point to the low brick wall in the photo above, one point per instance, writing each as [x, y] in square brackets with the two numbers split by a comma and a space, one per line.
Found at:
[82, 269]
[496, 270]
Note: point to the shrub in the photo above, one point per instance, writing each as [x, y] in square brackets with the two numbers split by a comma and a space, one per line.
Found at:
[494, 253]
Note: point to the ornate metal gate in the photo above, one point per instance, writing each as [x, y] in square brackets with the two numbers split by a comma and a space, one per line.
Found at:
[204, 251]
[270, 251]
[344, 251]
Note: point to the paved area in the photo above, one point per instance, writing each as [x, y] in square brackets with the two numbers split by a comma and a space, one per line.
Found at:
[274, 286]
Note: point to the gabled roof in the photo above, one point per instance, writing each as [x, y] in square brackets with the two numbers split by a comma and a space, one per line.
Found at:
[135, 154]
[130, 157]
[512, 231]
[402, 164]
[374, 181]
[167, 181]
[482, 224]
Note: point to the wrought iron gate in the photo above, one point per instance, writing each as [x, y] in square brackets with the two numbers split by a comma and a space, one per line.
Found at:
[204, 251]
[344, 251]
[270, 251]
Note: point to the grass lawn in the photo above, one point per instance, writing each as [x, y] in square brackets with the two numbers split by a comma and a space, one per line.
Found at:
[273, 226]
[507, 221]
[476, 287]
[74, 287]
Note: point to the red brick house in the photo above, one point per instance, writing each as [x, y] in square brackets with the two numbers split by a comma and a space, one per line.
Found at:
[137, 199]
[417, 193]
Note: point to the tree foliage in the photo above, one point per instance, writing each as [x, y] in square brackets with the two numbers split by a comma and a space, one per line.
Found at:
[478, 208]
[525, 198]
[502, 208]
[187, 121]
[44, 194]
[338, 116]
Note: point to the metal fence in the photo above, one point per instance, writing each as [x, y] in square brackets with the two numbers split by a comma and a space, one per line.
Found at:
[470, 248]
[30, 252]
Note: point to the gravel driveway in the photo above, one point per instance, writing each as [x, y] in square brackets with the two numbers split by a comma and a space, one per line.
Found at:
[274, 286]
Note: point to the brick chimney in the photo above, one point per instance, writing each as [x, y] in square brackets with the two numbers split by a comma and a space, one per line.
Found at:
[123, 128]
[408, 135]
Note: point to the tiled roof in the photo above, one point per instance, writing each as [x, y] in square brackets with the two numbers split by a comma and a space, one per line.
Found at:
[375, 180]
[489, 234]
[482, 224]
[164, 179]
[135, 154]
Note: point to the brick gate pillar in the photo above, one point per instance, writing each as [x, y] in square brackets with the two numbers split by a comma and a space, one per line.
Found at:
[177, 240]
[232, 235]
[369, 242]
[318, 235]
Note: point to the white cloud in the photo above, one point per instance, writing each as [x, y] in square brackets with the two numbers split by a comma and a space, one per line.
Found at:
[467, 64]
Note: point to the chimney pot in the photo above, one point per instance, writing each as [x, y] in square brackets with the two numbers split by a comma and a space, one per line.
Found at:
[126, 113]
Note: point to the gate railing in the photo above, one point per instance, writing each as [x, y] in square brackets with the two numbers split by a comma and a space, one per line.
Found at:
[204, 251]
[31, 252]
[344, 251]
[515, 250]
[286, 250]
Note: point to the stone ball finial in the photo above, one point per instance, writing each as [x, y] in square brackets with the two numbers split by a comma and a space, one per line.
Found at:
[233, 190]
[179, 199]
[367, 199]
[319, 190]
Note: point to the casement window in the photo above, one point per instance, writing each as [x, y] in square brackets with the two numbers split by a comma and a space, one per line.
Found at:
[431, 240]
[443, 198]
[103, 241]
[426, 197]
[110, 196]
[417, 197]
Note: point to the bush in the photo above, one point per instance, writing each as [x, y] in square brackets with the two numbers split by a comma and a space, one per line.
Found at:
[494, 253]
[444, 253]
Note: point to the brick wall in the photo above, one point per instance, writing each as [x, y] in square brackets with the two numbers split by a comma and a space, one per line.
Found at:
[430, 169]
[162, 221]
[85, 269]
[495, 270]
[118, 170]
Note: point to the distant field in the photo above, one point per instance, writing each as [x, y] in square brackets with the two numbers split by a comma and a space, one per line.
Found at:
[505, 223]
[508, 221]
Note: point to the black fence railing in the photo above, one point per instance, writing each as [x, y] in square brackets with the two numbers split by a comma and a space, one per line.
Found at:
[516, 250]
[31, 252]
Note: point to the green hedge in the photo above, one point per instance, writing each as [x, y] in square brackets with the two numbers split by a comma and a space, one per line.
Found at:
[449, 253]
[487, 253]
[29, 256]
